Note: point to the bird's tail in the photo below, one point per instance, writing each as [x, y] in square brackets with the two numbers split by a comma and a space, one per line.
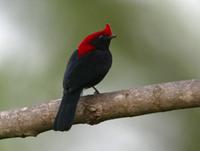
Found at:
[66, 112]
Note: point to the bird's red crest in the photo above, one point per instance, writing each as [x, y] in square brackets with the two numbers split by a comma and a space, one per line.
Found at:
[85, 46]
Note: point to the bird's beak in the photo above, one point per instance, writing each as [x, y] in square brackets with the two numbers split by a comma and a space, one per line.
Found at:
[112, 36]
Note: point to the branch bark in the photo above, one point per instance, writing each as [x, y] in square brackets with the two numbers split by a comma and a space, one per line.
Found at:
[93, 109]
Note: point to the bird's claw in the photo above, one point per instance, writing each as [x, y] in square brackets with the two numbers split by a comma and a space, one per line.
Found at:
[96, 91]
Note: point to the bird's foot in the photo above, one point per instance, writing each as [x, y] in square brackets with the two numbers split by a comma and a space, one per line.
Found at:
[96, 91]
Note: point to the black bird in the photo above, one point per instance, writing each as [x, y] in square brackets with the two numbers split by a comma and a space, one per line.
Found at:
[87, 66]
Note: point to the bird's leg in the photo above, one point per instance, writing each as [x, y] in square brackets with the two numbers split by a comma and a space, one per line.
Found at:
[96, 91]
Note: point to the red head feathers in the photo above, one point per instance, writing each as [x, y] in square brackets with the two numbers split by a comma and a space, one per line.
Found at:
[85, 46]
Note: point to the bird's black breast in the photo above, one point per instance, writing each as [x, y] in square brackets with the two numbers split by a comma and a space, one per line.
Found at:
[88, 70]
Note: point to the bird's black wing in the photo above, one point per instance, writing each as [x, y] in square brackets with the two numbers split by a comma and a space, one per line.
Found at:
[87, 70]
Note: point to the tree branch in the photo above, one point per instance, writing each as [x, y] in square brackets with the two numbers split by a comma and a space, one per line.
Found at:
[92, 109]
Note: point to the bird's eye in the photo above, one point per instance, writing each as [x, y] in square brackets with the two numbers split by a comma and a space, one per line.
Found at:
[101, 36]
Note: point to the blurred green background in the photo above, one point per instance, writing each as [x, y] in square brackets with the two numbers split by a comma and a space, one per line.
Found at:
[158, 41]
